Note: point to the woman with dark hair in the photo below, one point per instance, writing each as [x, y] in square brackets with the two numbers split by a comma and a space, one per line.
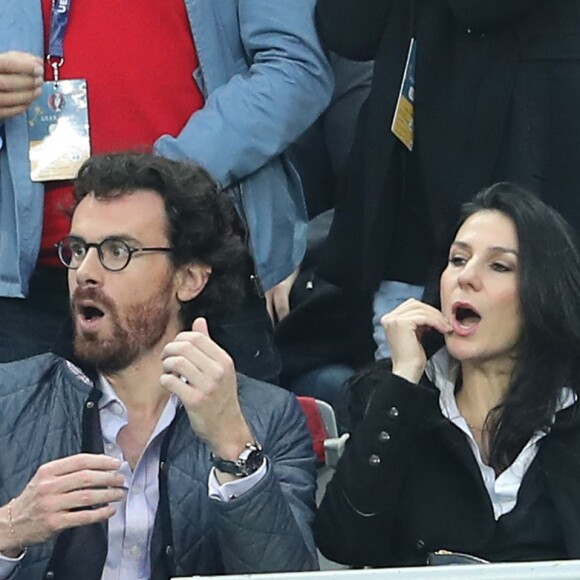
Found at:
[475, 449]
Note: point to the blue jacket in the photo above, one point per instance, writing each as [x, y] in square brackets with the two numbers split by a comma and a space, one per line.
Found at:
[265, 80]
[48, 410]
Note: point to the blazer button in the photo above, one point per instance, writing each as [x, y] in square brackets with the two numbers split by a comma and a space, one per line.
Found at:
[420, 545]
[49, 575]
[384, 436]
[169, 550]
[374, 460]
[393, 412]
[478, 34]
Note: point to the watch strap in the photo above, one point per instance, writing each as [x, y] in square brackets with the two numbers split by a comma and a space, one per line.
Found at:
[248, 461]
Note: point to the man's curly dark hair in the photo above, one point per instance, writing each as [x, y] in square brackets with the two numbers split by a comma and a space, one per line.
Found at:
[200, 218]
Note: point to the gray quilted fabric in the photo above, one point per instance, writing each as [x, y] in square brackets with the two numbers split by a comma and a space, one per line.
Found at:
[265, 530]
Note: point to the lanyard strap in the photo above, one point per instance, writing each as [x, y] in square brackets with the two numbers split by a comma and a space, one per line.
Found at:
[412, 18]
[60, 13]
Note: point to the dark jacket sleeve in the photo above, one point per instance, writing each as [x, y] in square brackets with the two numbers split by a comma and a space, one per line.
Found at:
[560, 456]
[352, 28]
[268, 529]
[356, 520]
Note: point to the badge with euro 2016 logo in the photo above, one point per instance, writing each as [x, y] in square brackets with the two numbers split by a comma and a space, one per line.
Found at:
[56, 101]
[59, 130]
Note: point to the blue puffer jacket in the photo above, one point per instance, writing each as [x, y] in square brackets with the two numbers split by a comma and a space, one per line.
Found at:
[265, 79]
[48, 410]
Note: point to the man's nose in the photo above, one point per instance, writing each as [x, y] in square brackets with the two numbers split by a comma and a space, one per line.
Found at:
[90, 270]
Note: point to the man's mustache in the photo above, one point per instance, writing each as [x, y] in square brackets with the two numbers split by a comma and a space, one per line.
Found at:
[93, 294]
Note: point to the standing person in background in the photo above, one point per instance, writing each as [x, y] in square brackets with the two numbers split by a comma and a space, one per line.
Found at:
[490, 94]
[314, 340]
[229, 85]
[321, 152]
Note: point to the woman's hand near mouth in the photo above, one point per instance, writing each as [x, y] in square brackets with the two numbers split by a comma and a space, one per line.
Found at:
[404, 326]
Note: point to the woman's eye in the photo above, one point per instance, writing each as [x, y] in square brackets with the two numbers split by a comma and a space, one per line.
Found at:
[457, 260]
[499, 267]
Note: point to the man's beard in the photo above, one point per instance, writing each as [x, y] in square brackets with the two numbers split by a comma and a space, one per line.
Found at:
[140, 328]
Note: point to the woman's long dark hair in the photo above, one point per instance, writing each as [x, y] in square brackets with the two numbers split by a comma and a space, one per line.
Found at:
[549, 291]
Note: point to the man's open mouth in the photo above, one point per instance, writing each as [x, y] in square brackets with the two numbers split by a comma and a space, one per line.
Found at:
[91, 312]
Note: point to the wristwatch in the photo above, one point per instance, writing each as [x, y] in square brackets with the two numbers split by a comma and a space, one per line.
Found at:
[248, 462]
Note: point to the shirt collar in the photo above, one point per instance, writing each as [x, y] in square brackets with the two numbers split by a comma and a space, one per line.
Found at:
[442, 370]
[109, 396]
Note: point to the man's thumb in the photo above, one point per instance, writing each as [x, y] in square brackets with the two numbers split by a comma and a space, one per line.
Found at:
[200, 325]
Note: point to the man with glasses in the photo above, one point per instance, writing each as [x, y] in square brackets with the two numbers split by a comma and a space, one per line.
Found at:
[149, 457]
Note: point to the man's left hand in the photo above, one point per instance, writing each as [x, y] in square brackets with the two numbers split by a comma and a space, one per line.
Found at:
[203, 376]
[278, 298]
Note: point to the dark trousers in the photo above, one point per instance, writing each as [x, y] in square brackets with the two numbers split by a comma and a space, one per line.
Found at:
[41, 323]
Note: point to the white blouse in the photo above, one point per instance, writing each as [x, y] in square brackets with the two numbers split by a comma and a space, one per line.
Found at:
[442, 371]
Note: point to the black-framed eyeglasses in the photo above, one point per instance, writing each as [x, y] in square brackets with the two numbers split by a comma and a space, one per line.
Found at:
[114, 253]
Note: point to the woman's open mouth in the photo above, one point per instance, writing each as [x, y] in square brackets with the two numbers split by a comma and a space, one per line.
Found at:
[465, 319]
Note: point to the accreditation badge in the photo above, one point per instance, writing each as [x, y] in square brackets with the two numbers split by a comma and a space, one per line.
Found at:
[59, 130]
[403, 120]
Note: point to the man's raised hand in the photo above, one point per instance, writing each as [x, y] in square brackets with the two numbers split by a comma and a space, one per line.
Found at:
[203, 376]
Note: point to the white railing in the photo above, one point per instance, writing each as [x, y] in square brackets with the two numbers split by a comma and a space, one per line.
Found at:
[557, 570]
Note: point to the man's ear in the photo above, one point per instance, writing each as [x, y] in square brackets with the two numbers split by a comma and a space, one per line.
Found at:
[191, 280]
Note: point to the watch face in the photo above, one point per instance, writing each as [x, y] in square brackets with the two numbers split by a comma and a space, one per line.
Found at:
[254, 461]
[249, 461]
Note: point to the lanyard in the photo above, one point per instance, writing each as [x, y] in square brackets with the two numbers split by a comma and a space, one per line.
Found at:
[412, 18]
[60, 13]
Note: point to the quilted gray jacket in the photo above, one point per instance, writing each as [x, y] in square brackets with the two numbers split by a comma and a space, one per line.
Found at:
[48, 410]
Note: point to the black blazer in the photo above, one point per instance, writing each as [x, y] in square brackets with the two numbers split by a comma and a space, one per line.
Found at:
[497, 93]
[408, 484]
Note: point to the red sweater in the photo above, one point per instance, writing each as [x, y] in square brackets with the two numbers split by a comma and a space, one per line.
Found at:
[138, 57]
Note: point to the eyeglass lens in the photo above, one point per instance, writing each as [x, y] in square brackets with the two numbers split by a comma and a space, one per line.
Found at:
[114, 254]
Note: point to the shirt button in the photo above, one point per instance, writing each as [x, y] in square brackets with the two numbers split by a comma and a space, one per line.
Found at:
[374, 460]
[393, 412]
[109, 447]
[134, 550]
[384, 436]
[116, 408]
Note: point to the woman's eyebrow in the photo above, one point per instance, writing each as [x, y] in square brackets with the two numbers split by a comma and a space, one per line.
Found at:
[493, 249]
[503, 250]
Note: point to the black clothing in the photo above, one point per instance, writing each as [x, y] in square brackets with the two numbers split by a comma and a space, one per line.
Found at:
[496, 99]
[409, 484]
